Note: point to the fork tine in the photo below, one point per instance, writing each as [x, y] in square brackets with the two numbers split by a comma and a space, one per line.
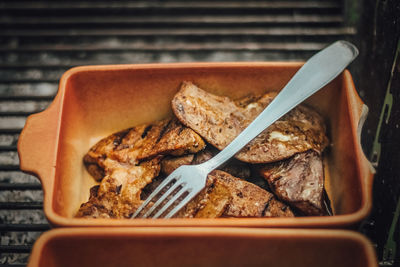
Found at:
[171, 201]
[155, 192]
[163, 197]
[181, 204]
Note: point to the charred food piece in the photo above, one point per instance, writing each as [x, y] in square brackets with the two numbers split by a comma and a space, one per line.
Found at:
[127, 161]
[223, 196]
[233, 166]
[229, 196]
[108, 200]
[211, 202]
[166, 137]
[118, 194]
[95, 159]
[299, 181]
[97, 207]
[249, 200]
[219, 120]
[143, 142]
[169, 164]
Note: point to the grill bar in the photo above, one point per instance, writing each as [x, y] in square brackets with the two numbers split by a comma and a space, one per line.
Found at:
[13, 113]
[20, 205]
[23, 97]
[24, 227]
[9, 167]
[7, 148]
[15, 249]
[9, 130]
[24, 186]
[167, 21]
[180, 32]
[172, 47]
[43, 6]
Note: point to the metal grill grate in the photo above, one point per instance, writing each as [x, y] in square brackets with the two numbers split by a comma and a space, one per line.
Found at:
[39, 40]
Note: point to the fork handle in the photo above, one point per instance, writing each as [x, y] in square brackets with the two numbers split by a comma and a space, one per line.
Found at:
[317, 72]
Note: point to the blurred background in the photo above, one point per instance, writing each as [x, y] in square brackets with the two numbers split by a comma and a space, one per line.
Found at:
[39, 40]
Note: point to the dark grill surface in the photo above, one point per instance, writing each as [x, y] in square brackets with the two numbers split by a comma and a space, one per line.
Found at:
[40, 40]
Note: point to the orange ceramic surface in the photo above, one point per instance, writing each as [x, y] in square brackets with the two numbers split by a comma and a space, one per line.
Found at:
[95, 101]
[201, 247]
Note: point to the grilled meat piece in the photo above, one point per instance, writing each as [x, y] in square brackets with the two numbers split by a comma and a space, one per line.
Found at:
[125, 162]
[229, 196]
[219, 120]
[128, 163]
[166, 137]
[233, 166]
[108, 200]
[223, 196]
[137, 179]
[169, 164]
[218, 201]
[211, 202]
[140, 143]
[95, 159]
[299, 181]
[108, 205]
[249, 200]
[118, 194]
[97, 207]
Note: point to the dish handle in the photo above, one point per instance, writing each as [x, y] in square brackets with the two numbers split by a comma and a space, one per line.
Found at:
[361, 120]
[37, 145]
[367, 171]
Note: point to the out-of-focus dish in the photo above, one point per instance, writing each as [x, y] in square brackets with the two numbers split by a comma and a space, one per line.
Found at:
[99, 246]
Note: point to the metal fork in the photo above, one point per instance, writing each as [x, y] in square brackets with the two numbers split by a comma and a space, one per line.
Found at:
[187, 181]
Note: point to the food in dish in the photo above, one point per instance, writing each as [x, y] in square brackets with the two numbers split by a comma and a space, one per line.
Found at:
[219, 120]
[288, 155]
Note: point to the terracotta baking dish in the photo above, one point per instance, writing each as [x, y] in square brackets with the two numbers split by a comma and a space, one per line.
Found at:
[95, 101]
[201, 247]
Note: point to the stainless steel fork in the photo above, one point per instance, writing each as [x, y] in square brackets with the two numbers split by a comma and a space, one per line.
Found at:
[188, 180]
